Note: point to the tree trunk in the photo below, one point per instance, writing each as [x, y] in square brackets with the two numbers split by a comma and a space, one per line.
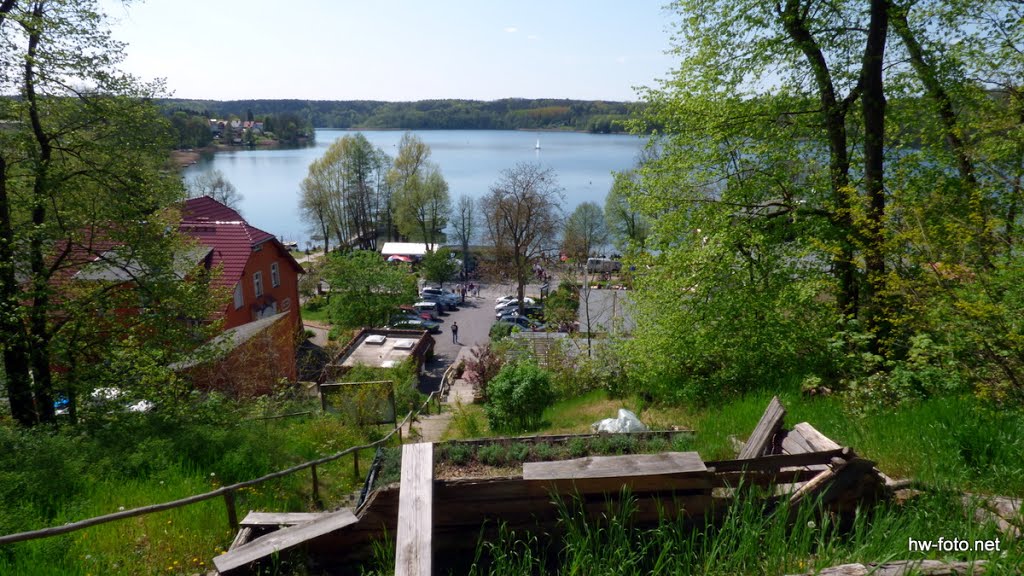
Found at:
[39, 353]
[834, 116]
[879, 324]
[17, 372]
[929, 76]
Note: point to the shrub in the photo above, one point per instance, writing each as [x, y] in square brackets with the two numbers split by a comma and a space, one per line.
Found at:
[517, 397]
[458, 453]
[501, 330]
[482, 366]
[492, 454]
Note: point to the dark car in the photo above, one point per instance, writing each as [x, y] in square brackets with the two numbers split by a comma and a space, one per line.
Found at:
[403, 322]
[522, 322]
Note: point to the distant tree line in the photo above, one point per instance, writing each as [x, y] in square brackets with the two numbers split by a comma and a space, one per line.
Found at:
[507, 114]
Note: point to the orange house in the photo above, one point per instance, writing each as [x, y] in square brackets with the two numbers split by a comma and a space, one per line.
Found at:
[262, 274]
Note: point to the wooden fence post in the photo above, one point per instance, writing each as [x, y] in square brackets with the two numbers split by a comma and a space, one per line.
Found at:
[229, 501]
[316, 487]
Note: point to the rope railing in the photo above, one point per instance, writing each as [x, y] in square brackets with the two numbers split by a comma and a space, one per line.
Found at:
[227, 492]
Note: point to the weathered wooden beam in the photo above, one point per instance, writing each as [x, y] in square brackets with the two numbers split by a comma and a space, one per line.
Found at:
[778, 461]
[616, 466]
[831, 483]
[241, 538]
[278, 518]
[817, 441]
[238, 560]
[767, 427]
[609, 474]
[904, 568]
[413, 543]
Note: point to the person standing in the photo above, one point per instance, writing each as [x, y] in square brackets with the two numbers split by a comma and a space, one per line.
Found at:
[455, 332]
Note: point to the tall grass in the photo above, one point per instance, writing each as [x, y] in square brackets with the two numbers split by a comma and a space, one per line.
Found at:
[945, 442]
[52, 477]
[752, 538]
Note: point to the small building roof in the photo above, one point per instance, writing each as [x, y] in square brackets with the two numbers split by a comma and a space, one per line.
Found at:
[382, 348]
[116, 266]
[406, 248]
[228, 340]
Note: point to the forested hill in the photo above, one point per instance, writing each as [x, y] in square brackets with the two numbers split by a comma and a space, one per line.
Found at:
[507, 114]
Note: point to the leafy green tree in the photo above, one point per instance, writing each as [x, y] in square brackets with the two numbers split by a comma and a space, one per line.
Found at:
[365, 289]
[628, 227]
[439, 266]
[421, 200]
[584, 231]
[89, 266]
[346, 193]
[192, 131]
[833, 194]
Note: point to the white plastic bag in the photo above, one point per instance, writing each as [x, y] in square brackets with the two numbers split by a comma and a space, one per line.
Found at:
[626, 422]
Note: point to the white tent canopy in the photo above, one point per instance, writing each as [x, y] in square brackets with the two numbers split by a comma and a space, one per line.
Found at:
[406, 249]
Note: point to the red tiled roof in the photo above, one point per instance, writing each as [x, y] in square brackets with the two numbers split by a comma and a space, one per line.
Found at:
[230, 236]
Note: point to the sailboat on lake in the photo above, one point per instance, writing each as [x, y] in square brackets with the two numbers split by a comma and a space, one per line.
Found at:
[537, 147]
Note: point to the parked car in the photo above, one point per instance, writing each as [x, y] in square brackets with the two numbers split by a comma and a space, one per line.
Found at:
[442, 302]
[446, 296]
[514, 302]
[428, 307]
[402, 322]
[522, 322]
[529, 311]
[410, 311]
[607, 265]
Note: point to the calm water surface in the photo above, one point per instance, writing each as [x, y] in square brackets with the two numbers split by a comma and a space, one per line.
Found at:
[470, 160]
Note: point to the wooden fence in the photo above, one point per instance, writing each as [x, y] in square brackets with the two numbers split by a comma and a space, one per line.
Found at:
[226, 492]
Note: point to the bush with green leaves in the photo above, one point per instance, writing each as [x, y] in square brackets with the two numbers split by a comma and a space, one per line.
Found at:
[517, 397]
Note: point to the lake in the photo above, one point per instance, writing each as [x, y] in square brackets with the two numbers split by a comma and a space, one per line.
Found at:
[470, 160]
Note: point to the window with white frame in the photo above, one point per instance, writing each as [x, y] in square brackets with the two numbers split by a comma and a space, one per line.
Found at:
[257, 283]
[275, 275]
[239, 299]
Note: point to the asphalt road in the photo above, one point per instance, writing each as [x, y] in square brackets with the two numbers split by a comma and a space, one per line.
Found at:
[475, 318]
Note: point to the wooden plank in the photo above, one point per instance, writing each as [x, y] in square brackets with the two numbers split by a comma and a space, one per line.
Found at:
[816, 440]
[413, 554]
[832, 483]
[816, 485]
[240, 558]
[762, 478]
[767, 427]
[665, 463]
[243, 536]
[778, 461]
[904, 568]
[279, 518]
[794, 443]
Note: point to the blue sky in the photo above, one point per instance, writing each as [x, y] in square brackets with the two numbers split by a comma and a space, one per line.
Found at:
[396, 50]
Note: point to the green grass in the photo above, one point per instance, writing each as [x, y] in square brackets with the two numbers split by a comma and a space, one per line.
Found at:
[945, 442]
[316, 309]
[751, 539]
[49, 478]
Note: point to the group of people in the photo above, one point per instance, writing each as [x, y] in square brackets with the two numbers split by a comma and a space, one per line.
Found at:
[471, 288]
